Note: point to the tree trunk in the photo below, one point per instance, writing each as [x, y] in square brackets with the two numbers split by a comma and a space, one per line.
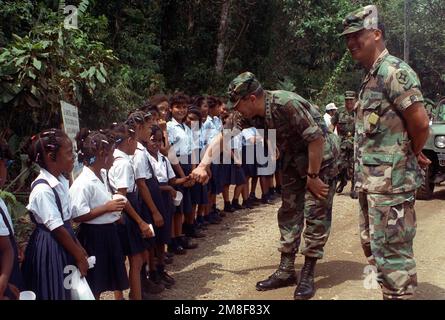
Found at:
[406, 32]
[223, 24]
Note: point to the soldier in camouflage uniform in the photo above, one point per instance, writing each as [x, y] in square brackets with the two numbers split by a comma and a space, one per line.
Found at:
[344, 121]
[309, 174]
[391, 129]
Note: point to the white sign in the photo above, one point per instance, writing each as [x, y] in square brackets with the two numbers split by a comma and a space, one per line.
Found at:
[70, 120]
[71, 126]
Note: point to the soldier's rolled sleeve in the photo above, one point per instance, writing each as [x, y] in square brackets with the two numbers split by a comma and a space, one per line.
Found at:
[304, 124]
[403, 87]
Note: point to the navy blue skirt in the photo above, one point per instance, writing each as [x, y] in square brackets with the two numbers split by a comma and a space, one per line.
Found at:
[170, 211]
[249, 166]
[109, 272]
[233, 175]
[186, 205]
[215, 182]
[45, 260]
[163, 233]
[16, 277]
[199, 194]
[129, 233]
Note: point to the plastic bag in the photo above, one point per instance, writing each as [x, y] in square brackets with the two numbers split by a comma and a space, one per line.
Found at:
[80, 289]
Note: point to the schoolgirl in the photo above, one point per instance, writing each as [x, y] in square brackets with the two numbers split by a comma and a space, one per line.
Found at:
[233, 173]
[211, 128]
[248, 165]
[166, 179]
[92, 206]
[151, 200]
[11, 280]
[181, 140]
[53, 245]
[199, 192]
[135, 231]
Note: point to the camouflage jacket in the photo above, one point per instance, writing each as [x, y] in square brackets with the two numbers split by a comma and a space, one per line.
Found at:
[384, 160]
[297, 123]
[345, 128]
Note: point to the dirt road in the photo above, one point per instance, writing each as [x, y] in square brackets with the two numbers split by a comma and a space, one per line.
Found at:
[242, 250]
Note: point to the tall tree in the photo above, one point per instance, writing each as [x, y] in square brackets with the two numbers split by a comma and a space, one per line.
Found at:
[223, 24]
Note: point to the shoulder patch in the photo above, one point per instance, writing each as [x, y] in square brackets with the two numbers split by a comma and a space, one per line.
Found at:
[402, 77]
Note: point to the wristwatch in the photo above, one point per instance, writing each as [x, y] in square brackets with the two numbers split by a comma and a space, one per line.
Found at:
[312, 175]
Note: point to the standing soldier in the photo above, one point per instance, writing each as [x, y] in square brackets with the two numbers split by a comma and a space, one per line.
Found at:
[344, 121]
[309, 173]
[390, 132]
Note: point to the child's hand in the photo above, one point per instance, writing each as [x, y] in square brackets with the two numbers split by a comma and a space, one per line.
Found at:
[173, 192]
[158, 220]
[146, 230]
[3, 285]
[189, 183]
[82, 265]
[121, 220]
[162, 124]
[21, 254]
[209, 172]
[115, 205]
[15, 291]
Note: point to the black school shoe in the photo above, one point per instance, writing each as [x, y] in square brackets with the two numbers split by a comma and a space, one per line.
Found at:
[191, 231]
[175, 247]
[237, 206]
[246, 204]
[187, 243]
[254, 201]
[228, 207]
[149, 285]
[265, 199]
[167, 279]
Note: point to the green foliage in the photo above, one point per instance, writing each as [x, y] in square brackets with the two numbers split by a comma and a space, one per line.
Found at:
[168, 45]
[47, 65]
[286, 84]
[15, 208]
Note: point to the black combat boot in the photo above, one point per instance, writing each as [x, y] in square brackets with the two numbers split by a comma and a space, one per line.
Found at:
[283, 277]
[306, 288]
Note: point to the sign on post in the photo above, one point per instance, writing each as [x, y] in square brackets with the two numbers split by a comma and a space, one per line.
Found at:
[70, 118]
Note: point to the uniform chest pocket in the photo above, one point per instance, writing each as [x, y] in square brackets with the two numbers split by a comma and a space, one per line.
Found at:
[371, 118]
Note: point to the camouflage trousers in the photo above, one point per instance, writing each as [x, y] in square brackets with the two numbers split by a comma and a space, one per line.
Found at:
[300, 206]
[387, 229]
[346, 165]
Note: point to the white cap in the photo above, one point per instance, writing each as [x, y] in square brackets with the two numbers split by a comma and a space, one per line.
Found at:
[331, 106]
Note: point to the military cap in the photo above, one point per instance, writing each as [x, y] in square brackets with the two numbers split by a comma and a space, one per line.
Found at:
[363, 18]
[350, 95]
[244, 84]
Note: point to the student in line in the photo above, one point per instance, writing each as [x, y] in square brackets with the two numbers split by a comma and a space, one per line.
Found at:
[11, 280]
[92, 206]
[53, 245]
[136, 230]
[165, 179]
[152, 208]
[180, 138]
